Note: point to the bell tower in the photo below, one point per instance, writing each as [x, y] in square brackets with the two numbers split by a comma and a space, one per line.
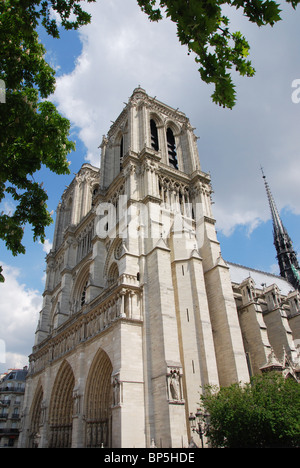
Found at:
[152, 149]
[139, 312]
[147, 124]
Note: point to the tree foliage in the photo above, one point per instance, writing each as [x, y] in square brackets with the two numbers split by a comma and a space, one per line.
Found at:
[264, 413]
[205, 30]
[32, 132]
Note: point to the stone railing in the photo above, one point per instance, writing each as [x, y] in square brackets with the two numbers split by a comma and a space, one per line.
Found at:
[122, 302]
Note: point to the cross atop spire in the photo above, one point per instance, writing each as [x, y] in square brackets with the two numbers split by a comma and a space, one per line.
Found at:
[286, 256]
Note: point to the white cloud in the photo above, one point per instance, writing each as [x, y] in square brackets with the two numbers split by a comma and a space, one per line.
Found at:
[122, 49]
[8, 207]
[19, 309]
[228, 220]
[47, 245]
[274, 269]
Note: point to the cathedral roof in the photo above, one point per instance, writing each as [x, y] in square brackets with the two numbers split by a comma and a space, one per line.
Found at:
[239, 273]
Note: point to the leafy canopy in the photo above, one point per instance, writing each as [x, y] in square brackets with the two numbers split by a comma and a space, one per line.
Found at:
[262, 413]
[205, 30]
[32, 132]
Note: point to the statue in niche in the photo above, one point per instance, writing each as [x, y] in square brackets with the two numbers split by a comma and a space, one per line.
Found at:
[174, 383]
[43, 410]
[116, 391]
[76, 402]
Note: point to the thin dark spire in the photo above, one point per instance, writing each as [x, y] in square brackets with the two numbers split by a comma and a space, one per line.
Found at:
[286, 256]
[277, 223]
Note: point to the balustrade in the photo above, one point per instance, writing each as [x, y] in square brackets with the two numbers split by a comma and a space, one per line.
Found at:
[122, 303]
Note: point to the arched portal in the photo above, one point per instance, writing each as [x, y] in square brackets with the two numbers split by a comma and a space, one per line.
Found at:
[36, 418]
[98, 402]
[61, 408]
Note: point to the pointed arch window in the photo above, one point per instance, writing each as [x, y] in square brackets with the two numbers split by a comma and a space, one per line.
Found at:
[154, 135]
[95, 191]
[172, 154]
[83, 294]
[121, 153]
[113, 274]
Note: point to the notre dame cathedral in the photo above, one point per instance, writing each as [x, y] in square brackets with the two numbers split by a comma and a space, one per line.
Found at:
[140, 310]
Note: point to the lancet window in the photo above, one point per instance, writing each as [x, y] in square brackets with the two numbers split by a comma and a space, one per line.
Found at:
[113, 274]
[115, 200]
[175, 197]
[58, 269]
[85, 242]
[154, 135]
[172, 154]
[95, 192]
[121, 152]
[83, 295]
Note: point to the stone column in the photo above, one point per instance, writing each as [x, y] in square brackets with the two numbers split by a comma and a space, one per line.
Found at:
[169, 422]
[78, 429]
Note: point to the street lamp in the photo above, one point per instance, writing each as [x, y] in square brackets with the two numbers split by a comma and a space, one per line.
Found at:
[198, 424]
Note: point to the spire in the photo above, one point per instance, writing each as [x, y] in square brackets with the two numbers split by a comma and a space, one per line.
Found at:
[277, 223]
[286, 256]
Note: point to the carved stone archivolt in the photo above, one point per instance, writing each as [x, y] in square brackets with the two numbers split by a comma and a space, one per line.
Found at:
[98, 401]
[61, 408]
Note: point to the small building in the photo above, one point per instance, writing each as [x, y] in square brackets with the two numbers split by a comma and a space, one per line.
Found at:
[12, 388]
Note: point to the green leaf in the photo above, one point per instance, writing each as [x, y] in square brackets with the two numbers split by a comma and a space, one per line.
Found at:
[202, 26]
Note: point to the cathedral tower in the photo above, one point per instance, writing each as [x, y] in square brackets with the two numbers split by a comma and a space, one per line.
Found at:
[138, 312]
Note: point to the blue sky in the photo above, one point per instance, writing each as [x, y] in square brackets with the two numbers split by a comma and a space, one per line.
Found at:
[97, 69]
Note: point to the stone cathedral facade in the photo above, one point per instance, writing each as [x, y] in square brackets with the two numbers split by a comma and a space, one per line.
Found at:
[140, 310]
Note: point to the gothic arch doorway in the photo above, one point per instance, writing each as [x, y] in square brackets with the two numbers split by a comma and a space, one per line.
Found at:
[61, 408]
[36, 419]
[98, 402]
